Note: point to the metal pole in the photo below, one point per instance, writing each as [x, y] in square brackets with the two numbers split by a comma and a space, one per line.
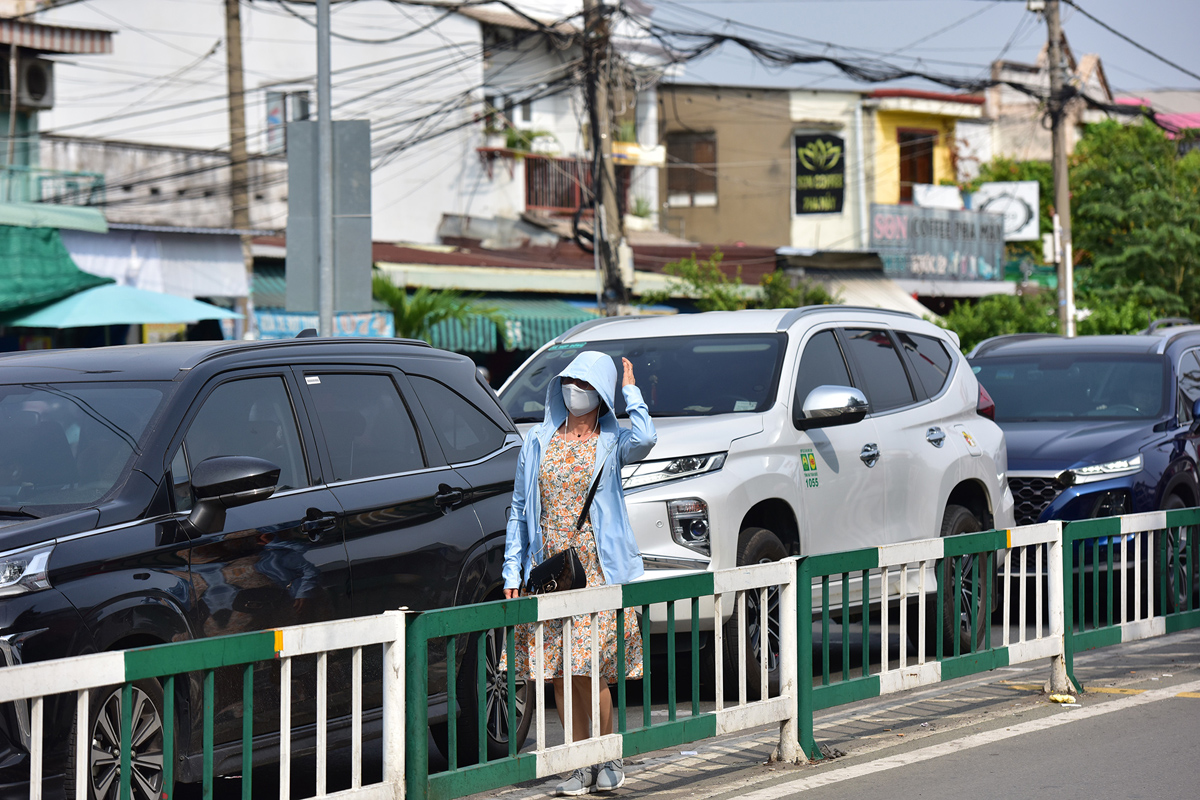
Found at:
[239, 178]
[324, 175]
[1062, 186]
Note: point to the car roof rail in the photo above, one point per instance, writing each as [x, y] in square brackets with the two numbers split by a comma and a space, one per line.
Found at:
[1166, 322]
[790, 317]
[588, 325]
[992, 342]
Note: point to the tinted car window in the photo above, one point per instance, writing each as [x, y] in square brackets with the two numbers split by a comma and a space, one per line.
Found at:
[822, 364]
[878, 361]
[1070, 385]
[1189, 385]
[680, 376]
[368, 430]
[251, 417]
[67, 444]
[929, 360]
[465, 432]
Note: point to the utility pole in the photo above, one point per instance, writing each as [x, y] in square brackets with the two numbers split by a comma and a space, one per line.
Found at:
[608, 224]
[1062, 186]
[324, 174]
[239, 174]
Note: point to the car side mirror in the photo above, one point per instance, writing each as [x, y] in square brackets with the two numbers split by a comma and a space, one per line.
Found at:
[827, 406]
[224, 482]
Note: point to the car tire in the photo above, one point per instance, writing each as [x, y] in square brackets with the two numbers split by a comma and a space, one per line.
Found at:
[104, 723]
[972, 624]
[496, 713]
[1178, 565]
[755, 546]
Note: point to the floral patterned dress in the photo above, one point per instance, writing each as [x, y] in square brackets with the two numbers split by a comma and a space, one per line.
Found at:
[566, 473]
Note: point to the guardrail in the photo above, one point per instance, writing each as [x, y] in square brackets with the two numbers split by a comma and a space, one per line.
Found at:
[629, 738]
[1055, 589]
[33, 683]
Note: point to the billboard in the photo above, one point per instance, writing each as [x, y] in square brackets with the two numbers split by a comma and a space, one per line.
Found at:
[938, 244]
[820, 173]
[1017, 201]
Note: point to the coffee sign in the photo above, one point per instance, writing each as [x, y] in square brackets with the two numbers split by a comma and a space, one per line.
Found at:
[820, 173]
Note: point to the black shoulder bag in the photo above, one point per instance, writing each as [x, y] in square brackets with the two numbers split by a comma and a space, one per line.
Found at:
[564, 570]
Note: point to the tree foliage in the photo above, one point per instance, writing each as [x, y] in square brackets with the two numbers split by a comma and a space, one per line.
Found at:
[1136, 210]
[416, 314]
[714, 290]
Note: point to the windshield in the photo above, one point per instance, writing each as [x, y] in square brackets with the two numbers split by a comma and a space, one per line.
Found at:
[1076, 385]
[680, 376]
[66, 444]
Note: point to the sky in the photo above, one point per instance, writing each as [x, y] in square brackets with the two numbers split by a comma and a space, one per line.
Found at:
[972, 34]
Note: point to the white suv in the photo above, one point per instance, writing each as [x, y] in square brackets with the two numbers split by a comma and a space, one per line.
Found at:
[792, 431]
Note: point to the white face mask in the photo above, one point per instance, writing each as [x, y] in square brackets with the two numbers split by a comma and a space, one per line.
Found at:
[580, 401]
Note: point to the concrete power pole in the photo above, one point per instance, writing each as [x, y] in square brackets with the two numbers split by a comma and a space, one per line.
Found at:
[239, 173]
[1062, 186]
[608, 224]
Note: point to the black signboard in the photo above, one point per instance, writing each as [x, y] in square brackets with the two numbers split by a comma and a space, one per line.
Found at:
[820, 173]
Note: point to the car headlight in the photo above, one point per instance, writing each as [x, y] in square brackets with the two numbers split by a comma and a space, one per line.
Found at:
[670, 469]
[23, 571]
[1102, 472]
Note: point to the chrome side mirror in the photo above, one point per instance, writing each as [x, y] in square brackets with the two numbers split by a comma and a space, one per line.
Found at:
[827, 406]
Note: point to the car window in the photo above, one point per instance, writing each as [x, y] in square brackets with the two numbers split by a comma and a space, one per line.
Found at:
[1189, 385]
[821, 364]
[368, 430]
[680, 376]
[465, 432]
[67, 444]
[249, 417]
[885, 380]
[929, 360]
[1052, 386]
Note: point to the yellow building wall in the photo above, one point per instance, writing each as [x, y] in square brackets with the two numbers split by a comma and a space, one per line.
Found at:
[887, 149]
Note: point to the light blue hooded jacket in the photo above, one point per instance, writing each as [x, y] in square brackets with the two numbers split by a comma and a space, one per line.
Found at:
[620, 557]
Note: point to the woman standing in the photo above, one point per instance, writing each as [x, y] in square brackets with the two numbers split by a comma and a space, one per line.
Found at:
[580, 442]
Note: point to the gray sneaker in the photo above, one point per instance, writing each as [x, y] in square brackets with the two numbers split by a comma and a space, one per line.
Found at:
[610, 776]
[581, 782]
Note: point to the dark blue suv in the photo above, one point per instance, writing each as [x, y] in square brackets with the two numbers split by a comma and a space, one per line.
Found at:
[1097, 425]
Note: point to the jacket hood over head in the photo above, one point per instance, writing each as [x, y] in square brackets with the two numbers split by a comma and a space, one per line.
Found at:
[597, 369]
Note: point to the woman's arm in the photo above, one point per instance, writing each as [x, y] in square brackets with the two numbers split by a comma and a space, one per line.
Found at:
[514, 533]
[635, 443]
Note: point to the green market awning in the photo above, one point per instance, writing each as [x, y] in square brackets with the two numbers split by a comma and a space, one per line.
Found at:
[528, 324]
[35, 268]
[49, 215]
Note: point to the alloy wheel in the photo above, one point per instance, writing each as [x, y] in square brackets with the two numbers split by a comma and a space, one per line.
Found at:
[146, 748]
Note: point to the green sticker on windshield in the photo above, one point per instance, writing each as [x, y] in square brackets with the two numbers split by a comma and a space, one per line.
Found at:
[571, 346]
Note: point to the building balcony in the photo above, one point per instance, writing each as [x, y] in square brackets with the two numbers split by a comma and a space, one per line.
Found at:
[564, 185]
[23, 184]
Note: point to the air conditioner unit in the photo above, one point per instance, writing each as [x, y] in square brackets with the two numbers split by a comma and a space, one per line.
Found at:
[36, 84]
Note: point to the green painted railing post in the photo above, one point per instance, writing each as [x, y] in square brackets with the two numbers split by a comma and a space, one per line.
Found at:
[511, 649]
[804, 659]
[451, 703]
[168, 787]
[126, 776]
[416, 710]
[209, 703]
[672, 686]
[481, 695]
[1068, 600]
[247, 730]
[695, 656]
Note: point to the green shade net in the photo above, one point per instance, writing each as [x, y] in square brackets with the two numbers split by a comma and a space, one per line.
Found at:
[36, 268]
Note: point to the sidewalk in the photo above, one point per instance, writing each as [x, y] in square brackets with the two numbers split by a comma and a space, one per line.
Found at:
[909, 727]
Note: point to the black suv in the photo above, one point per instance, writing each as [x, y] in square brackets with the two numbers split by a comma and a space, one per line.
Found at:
[364, 475]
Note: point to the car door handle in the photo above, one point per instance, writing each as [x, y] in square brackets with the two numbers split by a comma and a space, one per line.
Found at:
[935, 436]
[317, 522]
[869, 454]
[448, 497]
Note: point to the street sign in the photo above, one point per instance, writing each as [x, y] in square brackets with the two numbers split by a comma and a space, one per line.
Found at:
[1017, 201]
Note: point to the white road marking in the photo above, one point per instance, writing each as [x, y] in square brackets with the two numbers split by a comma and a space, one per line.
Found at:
[966, 743]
